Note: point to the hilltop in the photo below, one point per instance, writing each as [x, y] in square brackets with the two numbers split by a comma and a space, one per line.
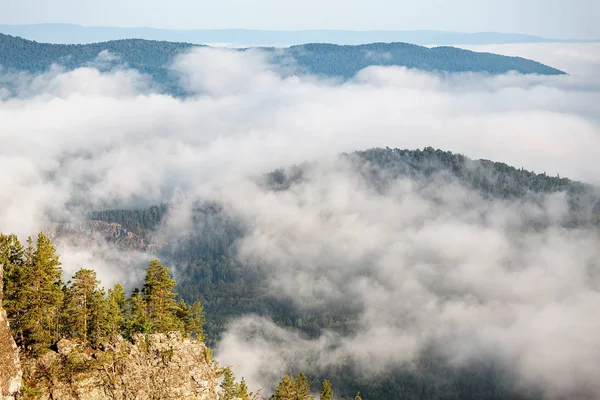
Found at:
[156, 57]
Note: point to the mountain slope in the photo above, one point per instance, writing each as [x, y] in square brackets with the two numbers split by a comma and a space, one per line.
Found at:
[155, 57]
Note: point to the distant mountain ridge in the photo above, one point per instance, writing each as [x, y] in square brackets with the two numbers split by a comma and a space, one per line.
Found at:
[77, 34]
[329, 60]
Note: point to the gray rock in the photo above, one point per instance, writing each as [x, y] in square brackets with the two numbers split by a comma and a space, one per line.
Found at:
[10, 365]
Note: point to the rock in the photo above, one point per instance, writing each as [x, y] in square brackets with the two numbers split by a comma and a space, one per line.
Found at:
[157, 366]
[65, 346]
[10, 365]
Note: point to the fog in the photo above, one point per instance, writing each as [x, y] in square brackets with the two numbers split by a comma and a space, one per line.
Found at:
[422, 263]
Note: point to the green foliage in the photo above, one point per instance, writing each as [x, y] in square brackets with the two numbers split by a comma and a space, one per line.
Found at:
[33, 291]
[291, 388]
[136, 316]
[115, 306]
[141, 222]
[83, 311]
[155, 57]
[228, 386]
[158, 295]
[42, 310]
[326, 391]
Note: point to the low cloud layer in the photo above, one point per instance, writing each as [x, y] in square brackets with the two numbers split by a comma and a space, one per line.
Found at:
[425, 263]
[457, 273]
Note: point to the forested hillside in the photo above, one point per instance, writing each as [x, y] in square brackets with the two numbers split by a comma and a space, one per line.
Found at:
[155, 58]
[210, 271]
[228, 288]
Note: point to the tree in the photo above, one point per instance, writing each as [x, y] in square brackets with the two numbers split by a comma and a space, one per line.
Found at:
[242, 391]
[326, 391]
[82, 306]
[191, 319]
[287, 389]
[12, 257]
[303, 388]
[228, 386]
[160, 298]
[136, 316]
[115, 306]
[41, 295]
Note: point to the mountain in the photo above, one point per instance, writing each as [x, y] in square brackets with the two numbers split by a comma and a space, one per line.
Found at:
[210, 270]
[155, 57]
[70, 33]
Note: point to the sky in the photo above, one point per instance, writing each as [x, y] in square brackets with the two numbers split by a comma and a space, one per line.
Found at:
[549, 18]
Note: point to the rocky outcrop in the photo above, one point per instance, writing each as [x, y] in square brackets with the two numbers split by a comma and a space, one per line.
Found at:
[10, 366]
[157, 366]
[81, 234]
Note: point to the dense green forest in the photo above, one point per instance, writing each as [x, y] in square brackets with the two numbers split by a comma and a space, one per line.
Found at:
[42, 309]
[155, 57]
[209, 271]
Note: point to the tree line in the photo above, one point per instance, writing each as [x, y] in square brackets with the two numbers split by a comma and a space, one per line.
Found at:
[42, 308]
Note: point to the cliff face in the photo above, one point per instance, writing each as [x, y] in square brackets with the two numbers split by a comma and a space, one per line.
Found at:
[157, 366]
[10, 367]
[86, 232]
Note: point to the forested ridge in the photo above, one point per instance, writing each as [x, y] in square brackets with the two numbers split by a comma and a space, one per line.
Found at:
[215, 286]
[155, 58]
[209, 270]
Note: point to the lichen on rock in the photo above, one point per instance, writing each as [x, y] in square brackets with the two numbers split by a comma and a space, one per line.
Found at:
[154, 366]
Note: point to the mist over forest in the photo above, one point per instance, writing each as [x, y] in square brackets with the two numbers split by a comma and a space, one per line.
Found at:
[404, 233]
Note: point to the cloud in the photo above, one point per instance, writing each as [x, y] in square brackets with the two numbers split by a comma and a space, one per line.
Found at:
[424, 263]
[420, 263]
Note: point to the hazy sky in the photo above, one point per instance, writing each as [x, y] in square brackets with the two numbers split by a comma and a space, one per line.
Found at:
[555, 18]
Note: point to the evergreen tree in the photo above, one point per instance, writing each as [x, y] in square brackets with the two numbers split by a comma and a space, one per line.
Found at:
[160, 298]
[41, 295]
[12, 257]
[191, 319]
[326, 391]
[228, 386]
[303, 388]
[136, 316]
[115, 306]
[82, 305]
[242, 391]
[287, 389]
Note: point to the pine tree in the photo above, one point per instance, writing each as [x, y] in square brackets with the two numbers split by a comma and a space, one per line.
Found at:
[98, 330]
[191, 319]
[160, 298]
[115, 306]
[41, 295]
[81, 305]
[303, 388]
[228, 386]
[242, 391]
[12, 257]
[326, 391]
[287, 389]
[136, 315]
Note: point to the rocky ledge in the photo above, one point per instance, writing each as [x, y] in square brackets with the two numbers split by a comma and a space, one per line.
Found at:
[155, 366]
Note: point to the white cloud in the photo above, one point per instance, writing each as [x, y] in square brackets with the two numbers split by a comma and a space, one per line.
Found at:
[88, 139]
